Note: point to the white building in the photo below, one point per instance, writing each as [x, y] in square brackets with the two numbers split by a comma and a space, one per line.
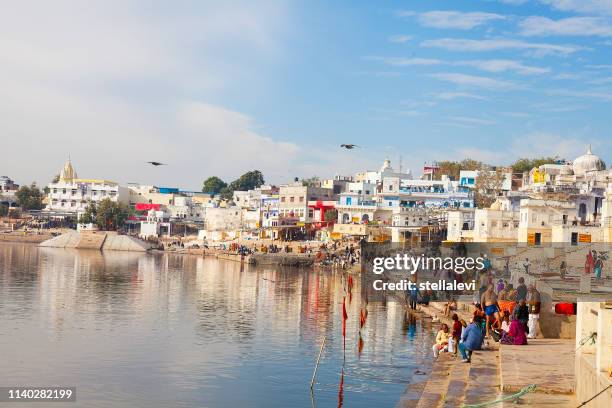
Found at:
[222, 223]
[71, 194]
[399, 192]
[293, 202]
[468, 178]
[376, 177]
[154, 225]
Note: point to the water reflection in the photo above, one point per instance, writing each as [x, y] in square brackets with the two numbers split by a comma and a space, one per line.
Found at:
[133, 330]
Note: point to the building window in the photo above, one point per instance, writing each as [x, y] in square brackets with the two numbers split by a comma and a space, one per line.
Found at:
[291, 199]
[301, 199]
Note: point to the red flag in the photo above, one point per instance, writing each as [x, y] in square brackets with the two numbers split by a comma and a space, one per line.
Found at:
[341, 389]
[360, 344]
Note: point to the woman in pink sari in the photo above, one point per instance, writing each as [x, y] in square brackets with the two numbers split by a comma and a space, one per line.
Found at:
[516, 334]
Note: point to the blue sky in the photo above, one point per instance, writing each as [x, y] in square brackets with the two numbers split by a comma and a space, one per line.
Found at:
[219, 88]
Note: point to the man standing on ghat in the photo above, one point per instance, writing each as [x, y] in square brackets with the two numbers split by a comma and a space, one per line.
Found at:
[488, 301]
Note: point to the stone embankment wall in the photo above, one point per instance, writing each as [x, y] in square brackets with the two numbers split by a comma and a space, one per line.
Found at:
[282, 259]
[24, 237]
[100, 240]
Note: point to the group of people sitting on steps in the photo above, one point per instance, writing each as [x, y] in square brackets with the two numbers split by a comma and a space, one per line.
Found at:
[511, 327]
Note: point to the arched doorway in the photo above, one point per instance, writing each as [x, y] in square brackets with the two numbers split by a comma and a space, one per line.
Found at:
[345, 218]
[365, 218]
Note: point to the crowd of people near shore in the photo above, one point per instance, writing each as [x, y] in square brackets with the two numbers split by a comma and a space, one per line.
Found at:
[501, 313]
[341, 255]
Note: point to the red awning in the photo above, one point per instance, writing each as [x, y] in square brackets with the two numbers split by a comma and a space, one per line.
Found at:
[147, 207]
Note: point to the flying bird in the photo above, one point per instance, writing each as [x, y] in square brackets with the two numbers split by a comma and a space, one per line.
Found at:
[348, 146]
[154, 163]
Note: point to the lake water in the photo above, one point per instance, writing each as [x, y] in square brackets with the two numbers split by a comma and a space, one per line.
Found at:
[166, 330]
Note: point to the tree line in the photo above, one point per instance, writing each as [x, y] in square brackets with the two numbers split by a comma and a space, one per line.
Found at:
[248, 181]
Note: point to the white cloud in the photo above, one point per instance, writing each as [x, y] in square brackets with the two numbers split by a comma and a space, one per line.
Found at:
[494, 65]
[600, 66]
[453, 19]
[571, 26]
[405, 62]
[115, 87]
[582, 6]
[447, 96]
[566, 76]
[474, 81]
[463, 45]
[399, 38]
[587, 94]
[530, 145]
[516, 114]
[601, 81]
[500, 65]
[472, 121]
[549, 144]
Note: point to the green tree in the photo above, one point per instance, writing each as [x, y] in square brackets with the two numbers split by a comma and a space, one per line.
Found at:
[313, 181]
[331, 215]
[3, 210]
[29, 197]
[453, 168]
[111, 215]
[524, 164]
[488, 186]
[90, 214]
[248, 181]
[213, 185]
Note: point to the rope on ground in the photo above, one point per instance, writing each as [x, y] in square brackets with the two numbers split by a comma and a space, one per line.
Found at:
[586, 339]
[515, 396]
[594, 396]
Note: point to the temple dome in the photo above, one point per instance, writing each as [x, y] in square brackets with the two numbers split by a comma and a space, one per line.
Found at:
[588, 162]
[68, 172]
[386, 166]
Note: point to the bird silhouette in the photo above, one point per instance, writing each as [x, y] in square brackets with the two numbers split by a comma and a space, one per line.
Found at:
[349, 146]
[154, 163]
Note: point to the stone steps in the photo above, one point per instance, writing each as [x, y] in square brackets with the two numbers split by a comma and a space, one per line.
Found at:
[436, 388]
[483, 380]
[453, 383]
[457, 385]
[91, 240]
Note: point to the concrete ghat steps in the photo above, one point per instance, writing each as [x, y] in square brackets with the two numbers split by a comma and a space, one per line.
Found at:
[483, 381]
[458, 379]
[436, 388]
[453, 383]
[91, 240]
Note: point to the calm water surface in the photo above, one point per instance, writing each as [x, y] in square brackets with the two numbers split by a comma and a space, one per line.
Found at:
[164, 330]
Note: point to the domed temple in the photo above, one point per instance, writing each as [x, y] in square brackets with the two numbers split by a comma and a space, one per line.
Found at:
[587, 163]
